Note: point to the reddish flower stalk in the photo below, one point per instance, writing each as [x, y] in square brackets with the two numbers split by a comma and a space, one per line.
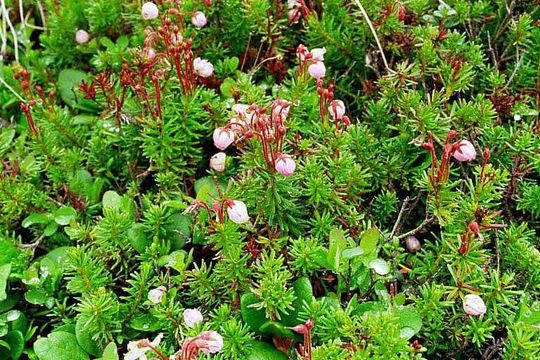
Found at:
[305, 350]
[28, 113]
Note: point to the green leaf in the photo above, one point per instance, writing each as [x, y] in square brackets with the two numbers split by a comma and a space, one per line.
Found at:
[206, 190]
[4, 274]
[275, 329]
[254, 318]
[35, 218]
[409, 320]
[9, 252]
[369, 240]
[303, 292]
[145, 322]
[138, 238]
[59, 346]
[64, 215]
[84, 338]
[380, 266]
[36, 296]
[263, 351]
[111, 201]
[50, 229]
[352, 253]
[176, 260]
[6, 139]
[110, 352]
[15, 339]
[337, 244]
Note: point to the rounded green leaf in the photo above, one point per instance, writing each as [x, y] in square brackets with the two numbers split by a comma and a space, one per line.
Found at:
[59, 346]
[64, 215]
[84, 338]
[263, 351]
[380, 266]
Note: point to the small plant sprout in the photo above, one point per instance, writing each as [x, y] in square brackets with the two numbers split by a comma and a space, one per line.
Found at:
[149, 11]
[192, 317]
[82, 37]
[156, 295]
[474, 305]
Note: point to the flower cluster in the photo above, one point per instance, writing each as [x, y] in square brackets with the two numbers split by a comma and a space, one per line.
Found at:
[251, 121]
[236, 210]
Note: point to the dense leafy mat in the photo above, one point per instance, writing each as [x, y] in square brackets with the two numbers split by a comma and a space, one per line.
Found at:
[268, 180]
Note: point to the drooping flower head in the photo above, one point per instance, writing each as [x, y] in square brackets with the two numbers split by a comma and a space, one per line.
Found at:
[285, 165]
[156, 295]
[202, 67]
[237, 211]
[82, 37]
[218, 161]
[137, 349]
[223, 138]
[149, 11]
[192, 317]
[317, 70]
[199, 19]
[474, 305]
[464, 151]
[336, 109]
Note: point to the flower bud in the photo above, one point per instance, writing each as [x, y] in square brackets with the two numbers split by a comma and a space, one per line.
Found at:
[301, 52]
[237, 211]
[202, 67]
[217, 162]
[223, 138]
[464, 151]
[149, 11]
[150, 53]
[199, 19]
[285, 165]
[336, 109]
[317, 70]
[474, 305]
[280, 109]
[412, 244]
[294, 16]
[156, 295]
[192, 317]
[82, 37]
[212, 342]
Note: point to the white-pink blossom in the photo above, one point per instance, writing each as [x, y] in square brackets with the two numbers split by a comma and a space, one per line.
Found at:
[199, 19]
[149, 11]
[285, 165]
[223, 137]
[464, 151]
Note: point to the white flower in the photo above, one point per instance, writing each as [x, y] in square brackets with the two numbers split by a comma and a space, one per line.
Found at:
[285, 165]
[156, 295]
[202, 67]
[213, 342]
[192, 317]
[317, 70]
[474, 305]
[223, 138]
[82, 37]
[137, 349]
[237, 211]
[199, 19]
[318, 54]
[149, 11]
[218, 161]
[336, 109]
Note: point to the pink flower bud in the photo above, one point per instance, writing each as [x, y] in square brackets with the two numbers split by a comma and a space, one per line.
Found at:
[301, 52]
[202, 67]
[285, 165]
[223, 138]
[412, 244]
[82, 37]
[464, 151]
[237, 211]
[150, 53]
[474, 305]
[192, 317]
[177, 39]
[317, 70]
[149, 11]
[213, 342]
[317, 54]
[199, 19]
[156, 295]
[207, 3]
[336, 109]
[294, 16]
[217, 162]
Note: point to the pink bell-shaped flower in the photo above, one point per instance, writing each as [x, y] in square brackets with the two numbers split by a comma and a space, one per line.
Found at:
[192, 317]
[285, 165]
[199, 19]
[317, 70]
[82, 37]
[218, 161]
[149, 11]
[336, 109]
[237, 211]
[202, 67]
[474, 305]
[223, 138]
[464, 151]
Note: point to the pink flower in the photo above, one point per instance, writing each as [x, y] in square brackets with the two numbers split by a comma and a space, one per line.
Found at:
[336, 109]
[294, 16]
[217, 162]
[412, 244]
[291, 4]
[474, 305]
[223, 138]
[149, 11]
[318, 54]
[82, 37]
[192, 317]
[285, 165]
[177, 38]
[150, 53]
[202, 67]
[464, 151]
[317, 70]
[209, 342]
[237, 211]
[199, 19]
